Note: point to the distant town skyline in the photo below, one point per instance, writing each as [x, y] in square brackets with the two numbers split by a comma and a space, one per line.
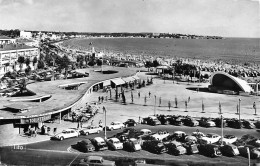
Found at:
[227, 18]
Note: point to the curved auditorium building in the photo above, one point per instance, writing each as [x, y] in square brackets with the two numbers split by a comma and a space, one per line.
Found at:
[222, 82]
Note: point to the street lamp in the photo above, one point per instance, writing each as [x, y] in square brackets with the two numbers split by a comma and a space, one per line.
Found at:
[221, 129]
[154, 104]
[239, 100]
[105, 111]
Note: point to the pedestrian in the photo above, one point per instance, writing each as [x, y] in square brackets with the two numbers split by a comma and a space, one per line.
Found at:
[254, 105]
[102, 99]
[189, 99]
[100, 124]
[54, 131]
[149, 94]
[98, 98]
[139, 94]
[92, 122]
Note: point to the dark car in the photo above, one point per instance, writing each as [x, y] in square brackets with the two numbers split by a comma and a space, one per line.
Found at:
[209, 150]
[154, 147]
[175, 148]
[151, 120]
[189, 121]
[229, 150]
[99, 143]
[254, 152]
[132, 145]
[177, 121]
[191, 148]
[85, 146]
[130, 122]
[206, 122]
[218, 122]
[165, 120]
[248, 124]
[234, 123]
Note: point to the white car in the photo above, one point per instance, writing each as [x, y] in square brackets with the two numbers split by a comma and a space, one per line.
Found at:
[114, 144]
[115, 125]
[210, 138]
[137, 144]
[69, 133]
[90, 130]
[211, 124]
[160, 135]
[229, 139]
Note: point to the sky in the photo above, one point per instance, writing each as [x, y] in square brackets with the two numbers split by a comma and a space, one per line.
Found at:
[228, 18]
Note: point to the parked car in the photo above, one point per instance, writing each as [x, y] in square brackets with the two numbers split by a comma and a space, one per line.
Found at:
[154, 147]
[68, 133]
[248, 124]
[209, 150]
[191, 148]
[190, 139]
[218, 122]
[209, 138]
[114, 144]
[189, 121]
[229, 139]
[151, 120]
[145, 132]
[175, 148]
[115, 125]
[132, 145]
[85, 146]
[130, 122]
[229, 150]
[165, 120]
[160, 135]
[90, 130]
[198, 134]
[179, 136]
[99, 143]
[206, 122]
[95, 161]
[254, 152]
[177, 121]
[234, 123]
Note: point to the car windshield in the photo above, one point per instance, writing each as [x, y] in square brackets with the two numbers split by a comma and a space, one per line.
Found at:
[116, 142]
[64, 131]
[160, 144]
[209, 135]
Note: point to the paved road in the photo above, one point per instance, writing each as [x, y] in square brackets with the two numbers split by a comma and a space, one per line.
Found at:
[60, 152]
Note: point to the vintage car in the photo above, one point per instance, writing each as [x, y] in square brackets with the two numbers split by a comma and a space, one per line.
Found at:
[188, 121]
[198, 134]
[85, 146]
[206, 122]
[145, 132]
[179, 136]
[191, 139]
[177, 121]
[254, 152]
[68, 133]
[209, 150]
[248, 124]
[99, 143]
[151, 120]
[90, 130]
[191, 148]
[165, 120]
[160, 135]
[154, 147]
[175, 148]
[95, 161]
[228, 139]
[130, 122]
[234, 123]
[115, 125]
[209, 138]
[132, 145]
[114, 144]
[229, 150]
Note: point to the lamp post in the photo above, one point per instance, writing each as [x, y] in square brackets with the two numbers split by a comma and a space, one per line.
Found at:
[154, 104]
[239, 100]
[221, 129]
[105, 111]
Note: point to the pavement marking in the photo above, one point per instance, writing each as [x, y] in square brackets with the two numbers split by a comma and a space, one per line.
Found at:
[74, 159]
[45, 150]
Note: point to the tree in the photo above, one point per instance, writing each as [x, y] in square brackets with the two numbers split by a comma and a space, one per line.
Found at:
[99, 62]
[21, 61]
[27, 61]
[40, 64]
[80, 60]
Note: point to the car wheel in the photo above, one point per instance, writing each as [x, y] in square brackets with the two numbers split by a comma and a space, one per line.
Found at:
[61, 138]
[135, 124]
[87, 133]
[98, 131]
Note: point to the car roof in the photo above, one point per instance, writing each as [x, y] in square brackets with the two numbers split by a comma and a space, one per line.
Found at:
[114, 139]
[145, 130]
[99, 139]
[179, 132]
[133, 139]
[95, 157]
[116, 122]
[212, 134]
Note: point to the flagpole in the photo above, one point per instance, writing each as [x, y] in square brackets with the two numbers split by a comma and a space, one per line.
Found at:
[104, 110]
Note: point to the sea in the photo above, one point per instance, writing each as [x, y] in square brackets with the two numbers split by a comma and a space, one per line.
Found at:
[230, 50]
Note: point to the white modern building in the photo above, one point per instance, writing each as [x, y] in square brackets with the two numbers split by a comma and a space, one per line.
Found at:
[26, 35]
[6, 40]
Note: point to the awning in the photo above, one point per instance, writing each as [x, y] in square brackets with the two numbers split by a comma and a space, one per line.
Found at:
[118, 81]
[107, 83]
[136, 77]
[128, 79]
[17, 106]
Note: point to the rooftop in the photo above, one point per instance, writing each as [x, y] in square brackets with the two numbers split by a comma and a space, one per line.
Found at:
[15, 47]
